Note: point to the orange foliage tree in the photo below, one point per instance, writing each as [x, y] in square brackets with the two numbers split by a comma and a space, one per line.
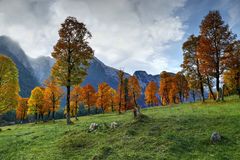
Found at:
[191, 67]
[134, 93]
[75, 100]
[88, 97]
[173, 88]
[215, 39]
[113, 98]
[166, 88]
[52, 96]
[104, 97]
[232, 75]
[21, 111]
[36, 103]
[150, 94]
[182, 86]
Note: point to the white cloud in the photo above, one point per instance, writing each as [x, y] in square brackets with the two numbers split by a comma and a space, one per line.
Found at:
[129, 34]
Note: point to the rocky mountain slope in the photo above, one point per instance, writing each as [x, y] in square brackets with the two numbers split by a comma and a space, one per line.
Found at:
[33, 71]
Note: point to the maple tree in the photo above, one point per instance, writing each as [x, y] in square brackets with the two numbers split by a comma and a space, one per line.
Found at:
[150, 94]
[76, 100]
[125, 94]
[191, 66]
[232, 75]
[9, 86]
[215, 38]
[120, 91]
[182, 86]
[52, 96]
[134, 93]
[21, 111]
[73, 54]
[113, 98]
[104, 97]
[88, 96]
[166, 88]
[36, 103]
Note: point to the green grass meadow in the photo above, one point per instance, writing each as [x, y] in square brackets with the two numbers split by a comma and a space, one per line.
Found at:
[172, 132]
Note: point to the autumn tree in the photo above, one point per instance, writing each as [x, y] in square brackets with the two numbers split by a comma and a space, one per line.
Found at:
[21, 111]
[165, 90]
[88, 96]
[9, 86]
[36, 103]
[150, 94]
[191, 66]
[232, 75]
[52, 96]
[134, 90]
[120, 91]
[76, 99]
[104, 97]
[126, 94]
[113, 98]
[215, 38]
[73, 54]
[182, 86]
[174, 89]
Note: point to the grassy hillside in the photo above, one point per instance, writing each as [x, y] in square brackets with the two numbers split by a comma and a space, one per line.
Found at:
[176, 132]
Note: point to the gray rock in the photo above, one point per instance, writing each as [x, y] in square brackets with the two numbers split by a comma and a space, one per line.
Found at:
[215, 137]
[114, 125]
[93, 127]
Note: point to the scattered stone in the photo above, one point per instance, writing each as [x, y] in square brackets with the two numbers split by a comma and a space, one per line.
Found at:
[9, 129]
[114, 125]
[11, 123]
[215, 137]
[93, 127]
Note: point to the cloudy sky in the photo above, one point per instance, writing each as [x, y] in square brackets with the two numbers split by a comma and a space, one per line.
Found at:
[127, 34]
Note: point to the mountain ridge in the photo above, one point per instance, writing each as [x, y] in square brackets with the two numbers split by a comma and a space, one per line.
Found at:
[33, 71]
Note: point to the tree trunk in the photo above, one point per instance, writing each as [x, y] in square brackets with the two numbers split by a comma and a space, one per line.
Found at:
[103, 109]
[76, 108]
[201, 81]
[210, 88]
[112, 107]
[223, 92]
[218, 87]
[136, 110]
[180, 95]
[68, 105]
[36, 117]
[88, 109]
[53, 116]
[193, 94]
[49, 112]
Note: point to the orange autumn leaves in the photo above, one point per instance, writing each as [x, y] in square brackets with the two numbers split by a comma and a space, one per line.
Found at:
[173, 89]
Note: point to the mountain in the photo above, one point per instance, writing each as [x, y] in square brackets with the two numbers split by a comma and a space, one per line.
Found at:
[42, 67]
[33, 71]
[27, 78]
[144, 78]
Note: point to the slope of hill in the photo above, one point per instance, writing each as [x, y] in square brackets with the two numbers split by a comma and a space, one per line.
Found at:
[27, 78]
[176, 132]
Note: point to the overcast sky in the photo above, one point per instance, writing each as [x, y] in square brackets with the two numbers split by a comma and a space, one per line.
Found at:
[127, 34]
